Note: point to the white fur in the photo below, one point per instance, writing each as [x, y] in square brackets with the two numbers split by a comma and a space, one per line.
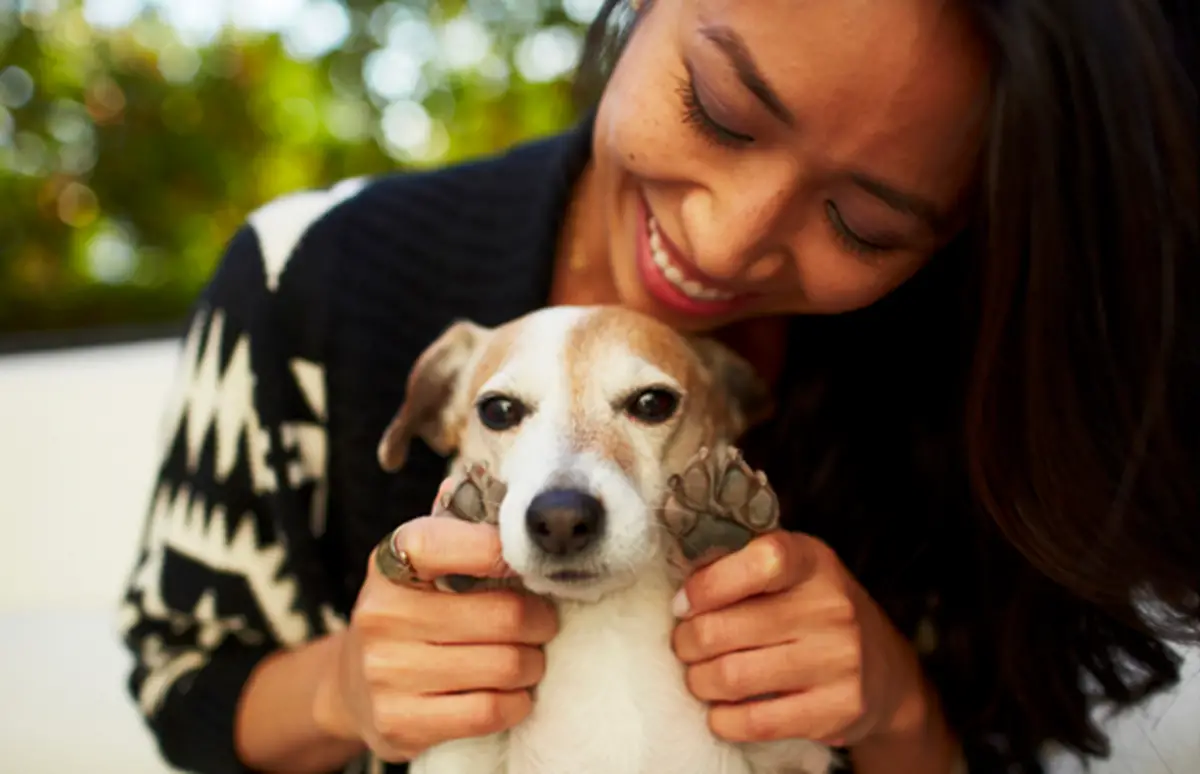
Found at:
[613, 699]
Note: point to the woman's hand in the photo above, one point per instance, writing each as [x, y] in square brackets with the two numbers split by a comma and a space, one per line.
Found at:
[784, 643]
[417, 667]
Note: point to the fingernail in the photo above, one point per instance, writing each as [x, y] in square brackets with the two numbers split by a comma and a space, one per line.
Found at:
[680, 605]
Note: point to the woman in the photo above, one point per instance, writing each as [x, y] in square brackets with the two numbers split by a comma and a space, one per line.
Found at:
[960, 240]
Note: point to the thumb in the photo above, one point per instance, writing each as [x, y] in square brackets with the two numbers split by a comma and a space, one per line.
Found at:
[439, 546]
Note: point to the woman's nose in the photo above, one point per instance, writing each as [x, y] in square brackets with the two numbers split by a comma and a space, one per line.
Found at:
[737, 236]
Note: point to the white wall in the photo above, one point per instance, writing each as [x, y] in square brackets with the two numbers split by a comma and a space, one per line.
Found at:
[78, 431]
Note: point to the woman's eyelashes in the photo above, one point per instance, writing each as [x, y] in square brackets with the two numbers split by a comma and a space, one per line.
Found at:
[850, 240]
[696, 115]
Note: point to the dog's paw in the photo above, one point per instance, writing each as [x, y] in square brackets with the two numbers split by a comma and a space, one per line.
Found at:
[473, 495]
[718, 504]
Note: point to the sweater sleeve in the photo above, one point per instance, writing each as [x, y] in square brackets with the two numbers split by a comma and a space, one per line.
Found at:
[227, 569]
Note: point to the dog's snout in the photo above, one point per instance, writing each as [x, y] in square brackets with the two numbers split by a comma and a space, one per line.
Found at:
[562, 522]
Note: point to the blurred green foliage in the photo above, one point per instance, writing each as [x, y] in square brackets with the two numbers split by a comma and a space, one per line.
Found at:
[136, 136]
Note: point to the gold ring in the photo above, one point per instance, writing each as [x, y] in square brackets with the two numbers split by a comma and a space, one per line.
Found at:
[395, 564]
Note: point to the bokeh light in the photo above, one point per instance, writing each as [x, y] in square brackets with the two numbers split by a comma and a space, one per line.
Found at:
[136, 135]
[16, 87]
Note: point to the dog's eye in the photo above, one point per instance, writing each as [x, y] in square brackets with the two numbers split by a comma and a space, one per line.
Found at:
[653, 406]
[500, 413]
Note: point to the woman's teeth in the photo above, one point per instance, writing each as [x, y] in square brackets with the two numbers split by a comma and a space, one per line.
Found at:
[674, 275]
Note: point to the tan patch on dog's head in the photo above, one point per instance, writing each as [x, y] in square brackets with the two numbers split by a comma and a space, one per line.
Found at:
[723, 395]
[605, 336]
[437, 398]
[442, 386]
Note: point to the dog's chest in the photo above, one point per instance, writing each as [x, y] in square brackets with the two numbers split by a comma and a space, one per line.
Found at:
[613, 699]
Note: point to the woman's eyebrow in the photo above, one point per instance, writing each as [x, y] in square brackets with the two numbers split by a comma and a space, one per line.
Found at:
[735, 48]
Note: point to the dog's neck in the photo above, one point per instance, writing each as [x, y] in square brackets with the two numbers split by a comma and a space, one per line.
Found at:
[613, 696]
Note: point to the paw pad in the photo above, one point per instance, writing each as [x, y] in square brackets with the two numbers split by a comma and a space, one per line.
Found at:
[718, 504]
[475, 496]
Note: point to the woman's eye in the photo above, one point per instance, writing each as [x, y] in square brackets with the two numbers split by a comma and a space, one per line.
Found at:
[653, 406]
[500, 413]
[846, 236]
[696, 116]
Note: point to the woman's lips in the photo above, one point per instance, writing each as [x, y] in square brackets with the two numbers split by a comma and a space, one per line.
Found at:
[671, 278]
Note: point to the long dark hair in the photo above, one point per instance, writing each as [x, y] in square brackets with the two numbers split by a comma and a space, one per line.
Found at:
[1007, 445]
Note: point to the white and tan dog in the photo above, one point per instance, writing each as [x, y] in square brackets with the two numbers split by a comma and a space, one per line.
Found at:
[600, 442]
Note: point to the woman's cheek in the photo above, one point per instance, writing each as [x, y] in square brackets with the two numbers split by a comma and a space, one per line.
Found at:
[639, 108]
[647, 142]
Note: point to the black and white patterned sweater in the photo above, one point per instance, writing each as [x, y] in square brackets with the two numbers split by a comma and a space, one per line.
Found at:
[269, 498]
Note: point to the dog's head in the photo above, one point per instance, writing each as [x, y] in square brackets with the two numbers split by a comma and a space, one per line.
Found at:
[584, 413]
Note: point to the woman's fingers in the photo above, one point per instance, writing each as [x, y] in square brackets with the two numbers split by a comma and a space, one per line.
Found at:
[386, 611]
[768, 564]
[825, 713]
[816, 659]
[492, 616]
[399, 718]
[441, 546]
[760, 622]
[752, 623]
[444, 669]
[423, 667]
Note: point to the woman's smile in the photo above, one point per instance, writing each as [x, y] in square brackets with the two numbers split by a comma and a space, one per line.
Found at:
[673, 280]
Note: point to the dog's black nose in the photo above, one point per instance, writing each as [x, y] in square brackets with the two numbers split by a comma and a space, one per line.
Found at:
[562, 522]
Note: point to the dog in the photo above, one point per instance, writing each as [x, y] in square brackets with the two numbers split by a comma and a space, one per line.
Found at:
[601, 443]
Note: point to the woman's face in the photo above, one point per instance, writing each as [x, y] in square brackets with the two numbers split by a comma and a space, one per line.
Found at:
[767, 157]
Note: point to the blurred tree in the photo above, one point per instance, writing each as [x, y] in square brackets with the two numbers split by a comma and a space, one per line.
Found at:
[136, 135]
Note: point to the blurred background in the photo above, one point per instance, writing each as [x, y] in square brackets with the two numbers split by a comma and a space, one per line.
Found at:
[135, 136]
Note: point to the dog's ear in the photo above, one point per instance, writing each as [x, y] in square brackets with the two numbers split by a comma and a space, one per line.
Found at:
[748, 397]
[429, 411]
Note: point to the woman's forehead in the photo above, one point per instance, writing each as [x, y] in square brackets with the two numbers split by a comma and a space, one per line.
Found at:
[900, 85]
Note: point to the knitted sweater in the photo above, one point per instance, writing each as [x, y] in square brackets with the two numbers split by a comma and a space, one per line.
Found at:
[269, 498]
